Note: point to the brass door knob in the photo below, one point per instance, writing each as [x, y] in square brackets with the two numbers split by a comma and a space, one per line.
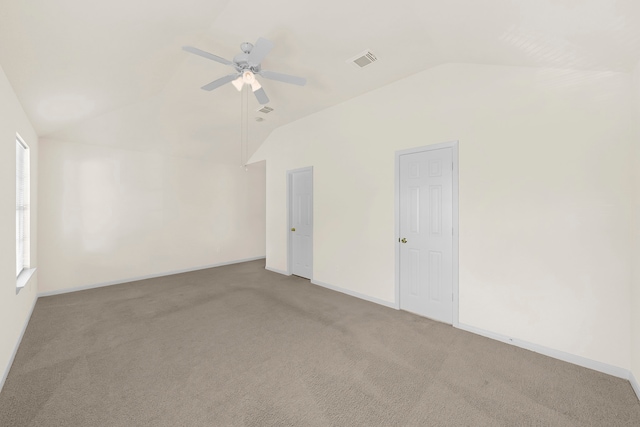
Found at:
[293, 229]
[404, 240]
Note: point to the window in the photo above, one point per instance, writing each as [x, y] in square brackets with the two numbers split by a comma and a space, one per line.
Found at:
[23, 271]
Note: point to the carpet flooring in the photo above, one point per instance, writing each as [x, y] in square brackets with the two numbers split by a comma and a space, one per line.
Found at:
[242, 346]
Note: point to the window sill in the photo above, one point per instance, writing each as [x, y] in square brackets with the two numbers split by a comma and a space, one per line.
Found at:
[23, 278]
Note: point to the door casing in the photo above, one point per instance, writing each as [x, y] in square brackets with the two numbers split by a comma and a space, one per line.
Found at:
[455, 273]
[290, 174]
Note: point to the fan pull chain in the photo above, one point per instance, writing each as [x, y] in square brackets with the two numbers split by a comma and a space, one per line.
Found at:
[244, 126]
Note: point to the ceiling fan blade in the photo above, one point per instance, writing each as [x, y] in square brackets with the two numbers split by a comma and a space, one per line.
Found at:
[300, 81]
[207, 55]
[221, 81]
[259, 51]
[261, 96]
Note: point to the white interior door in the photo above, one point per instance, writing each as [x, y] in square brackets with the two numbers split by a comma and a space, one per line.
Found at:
[301, 222]
[426, 233]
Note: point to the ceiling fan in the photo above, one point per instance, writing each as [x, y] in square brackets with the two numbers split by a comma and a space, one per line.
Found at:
[247, 65]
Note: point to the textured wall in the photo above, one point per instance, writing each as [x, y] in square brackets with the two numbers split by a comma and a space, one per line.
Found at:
[14, 309]
[544, 196]
[111, 214]
[635, 232]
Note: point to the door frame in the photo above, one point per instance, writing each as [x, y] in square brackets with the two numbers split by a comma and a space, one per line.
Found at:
[455, 273]
[289, 239]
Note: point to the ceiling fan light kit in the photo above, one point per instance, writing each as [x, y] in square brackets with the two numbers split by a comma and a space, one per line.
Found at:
[238, 83]
[248, 78]
[247, 66]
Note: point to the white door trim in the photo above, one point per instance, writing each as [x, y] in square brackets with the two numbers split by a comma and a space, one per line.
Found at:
[454, 149]
[289, 216]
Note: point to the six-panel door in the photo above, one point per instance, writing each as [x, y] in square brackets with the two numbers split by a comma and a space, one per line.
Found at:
[426, 222]
[302, 222]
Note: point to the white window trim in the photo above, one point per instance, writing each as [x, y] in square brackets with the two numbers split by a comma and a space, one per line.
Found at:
[23, 278]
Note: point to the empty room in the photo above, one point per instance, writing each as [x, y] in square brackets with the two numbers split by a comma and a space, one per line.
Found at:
[296, 213]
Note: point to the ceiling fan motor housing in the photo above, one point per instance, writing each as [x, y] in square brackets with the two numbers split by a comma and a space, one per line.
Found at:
[240, 62]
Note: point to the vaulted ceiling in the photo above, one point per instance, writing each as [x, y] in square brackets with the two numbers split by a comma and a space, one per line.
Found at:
[113, 73]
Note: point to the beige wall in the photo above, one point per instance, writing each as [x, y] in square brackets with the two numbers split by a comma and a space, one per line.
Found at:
[14, 309]
[635, 231]
[111, 214]
[544, 196]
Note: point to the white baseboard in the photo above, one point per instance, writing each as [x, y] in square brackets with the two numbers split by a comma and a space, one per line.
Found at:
[341, 290]
[634, 384]
[15, 348]
[354, 294]
[556, 354]
[275, 270]
[150, 276]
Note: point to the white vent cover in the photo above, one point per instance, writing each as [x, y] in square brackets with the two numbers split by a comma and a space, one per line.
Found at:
[363, 59]
[265, 110]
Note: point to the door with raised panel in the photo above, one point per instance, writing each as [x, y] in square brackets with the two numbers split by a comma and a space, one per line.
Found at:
[426, 233]
[301, 222]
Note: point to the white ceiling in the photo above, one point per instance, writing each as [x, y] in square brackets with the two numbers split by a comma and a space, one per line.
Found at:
[113, 72]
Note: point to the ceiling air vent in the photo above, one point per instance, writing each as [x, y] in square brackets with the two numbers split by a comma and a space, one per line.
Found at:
[363, 59]
[265, 110]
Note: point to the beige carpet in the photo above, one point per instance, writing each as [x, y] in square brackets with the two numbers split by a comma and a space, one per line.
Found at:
[241, 346]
